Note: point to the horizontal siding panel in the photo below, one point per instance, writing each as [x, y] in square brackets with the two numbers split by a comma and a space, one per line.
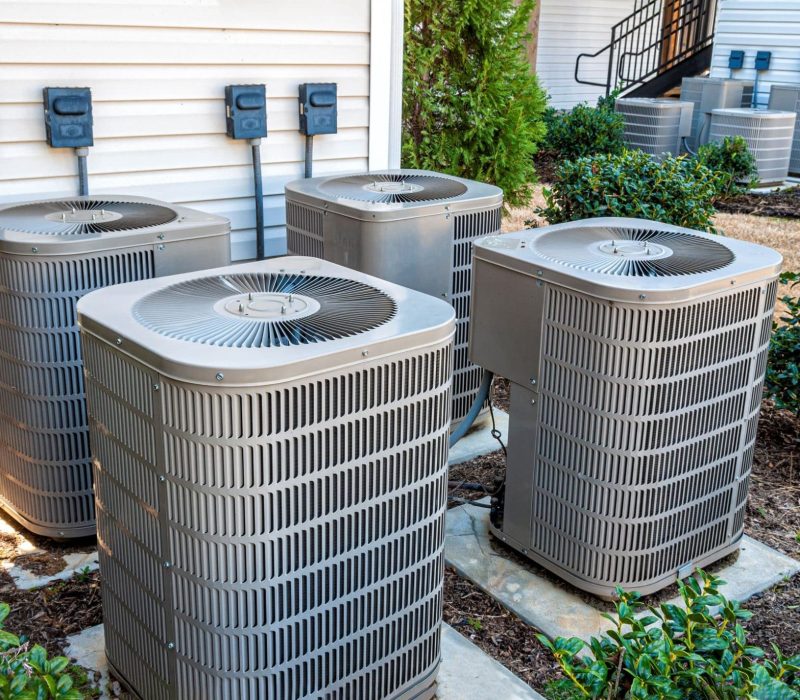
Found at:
[157, 70]
[754, 25]
[569, 29]
[316, 15]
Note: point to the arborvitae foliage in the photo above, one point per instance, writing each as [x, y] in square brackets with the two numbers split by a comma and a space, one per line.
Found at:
[471, 105]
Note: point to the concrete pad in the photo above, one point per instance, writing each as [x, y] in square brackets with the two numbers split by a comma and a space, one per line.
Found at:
[466, 673]
[73, 563]
[557, 609]
[479, 441]
[787, 184]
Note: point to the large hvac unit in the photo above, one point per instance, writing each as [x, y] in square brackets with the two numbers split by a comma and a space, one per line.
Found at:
[636, 353]
[411, 227]
[707, 94]
[656, 126]
[270, 446]
[786, 98]
[51, 253]
[769, 134]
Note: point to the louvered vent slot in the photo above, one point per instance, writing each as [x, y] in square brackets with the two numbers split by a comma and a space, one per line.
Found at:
[44, 451]
[647, 420]
[305, 526]
[304, 232]
[466, 229]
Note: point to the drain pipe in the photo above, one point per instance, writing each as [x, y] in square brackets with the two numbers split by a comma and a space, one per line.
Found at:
[475, 409]
[83, 171]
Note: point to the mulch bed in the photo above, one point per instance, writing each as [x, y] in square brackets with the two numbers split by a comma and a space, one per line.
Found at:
[783, 203]
[545, 163]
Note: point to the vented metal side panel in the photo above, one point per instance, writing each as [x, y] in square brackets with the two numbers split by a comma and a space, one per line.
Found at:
[769, 135]
[652, 126]
[787, 98]
[644, 432]
[45, 469]
[467, 377]
[280, 542]
[304, 230]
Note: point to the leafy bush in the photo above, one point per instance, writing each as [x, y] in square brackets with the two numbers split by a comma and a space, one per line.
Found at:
[27, 674]
[732, 163]
[700, 653]
[585, 131]
[471, 106]
[676, 191]
[783, 371]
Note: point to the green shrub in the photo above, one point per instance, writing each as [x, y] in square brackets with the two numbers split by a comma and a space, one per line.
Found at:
[698, 653]
[27, 674]
[676, 191]
[783, 370]
[585, 131]
[471, 106]
[732, 163]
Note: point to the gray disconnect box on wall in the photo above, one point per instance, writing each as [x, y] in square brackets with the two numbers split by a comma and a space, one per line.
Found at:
[246, 111]
[318, 108]
[68, 117]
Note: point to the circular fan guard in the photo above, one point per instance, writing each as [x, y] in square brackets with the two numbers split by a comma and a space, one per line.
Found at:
[80, 217]
[608, 251]
[195, 310]
[393, 188]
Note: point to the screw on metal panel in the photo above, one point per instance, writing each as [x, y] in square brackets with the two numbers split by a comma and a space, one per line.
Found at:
[447, 207]
[156, 387]
[34, 250]
[220, 376]
[162, 478]
[241, 308]
[302, 272]
[290, 298]
[533, 380]
[60, 533]
[643, 296]
[170, 645]
[118, 341]
[539, 273]
[533, 402]
[364, 353]
[283, 308]
[160, 236]
[250, 296]
[539, 283]
[161, 246]
[733, 281]
[167, 564]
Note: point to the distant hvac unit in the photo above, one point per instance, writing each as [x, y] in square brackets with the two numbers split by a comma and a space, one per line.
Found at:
[270, 443]
[411, 227]
[707, 94]
[656, 126]
[787, 98]
[51, 253]
[636, 353]
[769, 135]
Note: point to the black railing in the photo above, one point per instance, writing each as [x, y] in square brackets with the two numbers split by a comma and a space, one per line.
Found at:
[657, 36]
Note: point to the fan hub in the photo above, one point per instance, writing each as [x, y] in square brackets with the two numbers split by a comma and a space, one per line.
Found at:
[633, 249]
[393, 187]
[84, 216]
[266, 306]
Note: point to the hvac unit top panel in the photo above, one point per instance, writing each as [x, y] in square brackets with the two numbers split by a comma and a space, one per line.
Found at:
[391, 194]
[265, 321]
[89, 224]
[617, 259]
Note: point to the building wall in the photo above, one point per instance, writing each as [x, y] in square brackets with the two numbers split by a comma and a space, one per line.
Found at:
[157, 70]
[567, 29]
[753, 25]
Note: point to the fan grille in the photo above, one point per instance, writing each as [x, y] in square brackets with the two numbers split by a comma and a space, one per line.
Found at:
[633, 252]
[393, 188]
[214, 310]
[81, 217]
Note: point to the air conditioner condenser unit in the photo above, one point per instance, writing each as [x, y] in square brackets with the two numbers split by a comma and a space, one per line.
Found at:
[51, 253]
[769, 135]
[786, 98]
[656, 126]
[410, 227]
[270, 445]
[636, 353]
[708, 94]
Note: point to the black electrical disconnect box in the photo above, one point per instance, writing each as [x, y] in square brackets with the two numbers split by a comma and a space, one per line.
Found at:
[763, 59]
[736, 59]
[246, 111]
[317, 108]
[68, 117]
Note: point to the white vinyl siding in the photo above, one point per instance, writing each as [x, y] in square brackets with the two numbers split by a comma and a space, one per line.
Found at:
[567, 29]
[157, 70]
[759, 25]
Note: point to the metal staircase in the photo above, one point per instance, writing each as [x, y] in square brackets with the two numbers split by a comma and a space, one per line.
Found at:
[654, 47]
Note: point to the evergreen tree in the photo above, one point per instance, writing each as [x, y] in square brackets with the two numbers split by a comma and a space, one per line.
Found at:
[471, 105]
